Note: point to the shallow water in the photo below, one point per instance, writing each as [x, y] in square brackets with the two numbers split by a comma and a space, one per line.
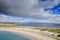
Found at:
[4, 35]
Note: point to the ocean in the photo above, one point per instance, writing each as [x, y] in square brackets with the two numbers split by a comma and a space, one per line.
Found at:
[4, 35]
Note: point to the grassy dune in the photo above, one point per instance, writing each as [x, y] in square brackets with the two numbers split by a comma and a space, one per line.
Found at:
[10, 25]
[55, 30]
[7, 25]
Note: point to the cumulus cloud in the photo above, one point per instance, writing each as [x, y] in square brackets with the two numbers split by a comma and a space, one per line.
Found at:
[5, 18]
[29, 8]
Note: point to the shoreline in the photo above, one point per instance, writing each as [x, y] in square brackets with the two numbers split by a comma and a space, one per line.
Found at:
[27, 33]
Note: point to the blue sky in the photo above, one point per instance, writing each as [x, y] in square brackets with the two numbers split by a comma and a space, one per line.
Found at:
[46, 11]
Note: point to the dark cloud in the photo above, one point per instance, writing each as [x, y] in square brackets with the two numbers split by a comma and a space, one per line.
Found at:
[3, 6]
[26, 7]
[16, 7]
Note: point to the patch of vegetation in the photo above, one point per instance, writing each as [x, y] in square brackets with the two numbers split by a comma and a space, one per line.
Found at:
[58, 35]
[55, 30]
[7, 25]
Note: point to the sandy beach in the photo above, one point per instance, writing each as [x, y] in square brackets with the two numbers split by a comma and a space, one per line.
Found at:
[33, 35]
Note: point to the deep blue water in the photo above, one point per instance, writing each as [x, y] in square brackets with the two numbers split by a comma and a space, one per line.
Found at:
[4, 35]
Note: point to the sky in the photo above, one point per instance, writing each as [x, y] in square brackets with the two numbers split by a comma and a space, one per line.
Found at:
[45, 11]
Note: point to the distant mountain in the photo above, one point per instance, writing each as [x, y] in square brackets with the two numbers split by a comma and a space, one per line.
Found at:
[34, 24]
[57, 24]
[7, 22]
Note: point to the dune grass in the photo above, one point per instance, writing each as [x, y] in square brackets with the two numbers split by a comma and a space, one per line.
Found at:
[10, 26]
[55, 30]
[7, 25]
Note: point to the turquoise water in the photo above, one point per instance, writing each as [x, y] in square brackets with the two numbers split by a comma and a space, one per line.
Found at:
[4, 35]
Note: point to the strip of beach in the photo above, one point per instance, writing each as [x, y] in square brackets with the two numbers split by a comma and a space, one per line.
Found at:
[34, 34]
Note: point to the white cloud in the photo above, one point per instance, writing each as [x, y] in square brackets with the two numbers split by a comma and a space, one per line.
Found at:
[29, 8]
[26, 7]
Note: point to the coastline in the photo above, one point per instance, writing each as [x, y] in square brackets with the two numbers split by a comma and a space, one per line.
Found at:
[27, 33]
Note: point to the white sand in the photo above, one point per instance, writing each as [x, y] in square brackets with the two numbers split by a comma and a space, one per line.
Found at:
[30, 33]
